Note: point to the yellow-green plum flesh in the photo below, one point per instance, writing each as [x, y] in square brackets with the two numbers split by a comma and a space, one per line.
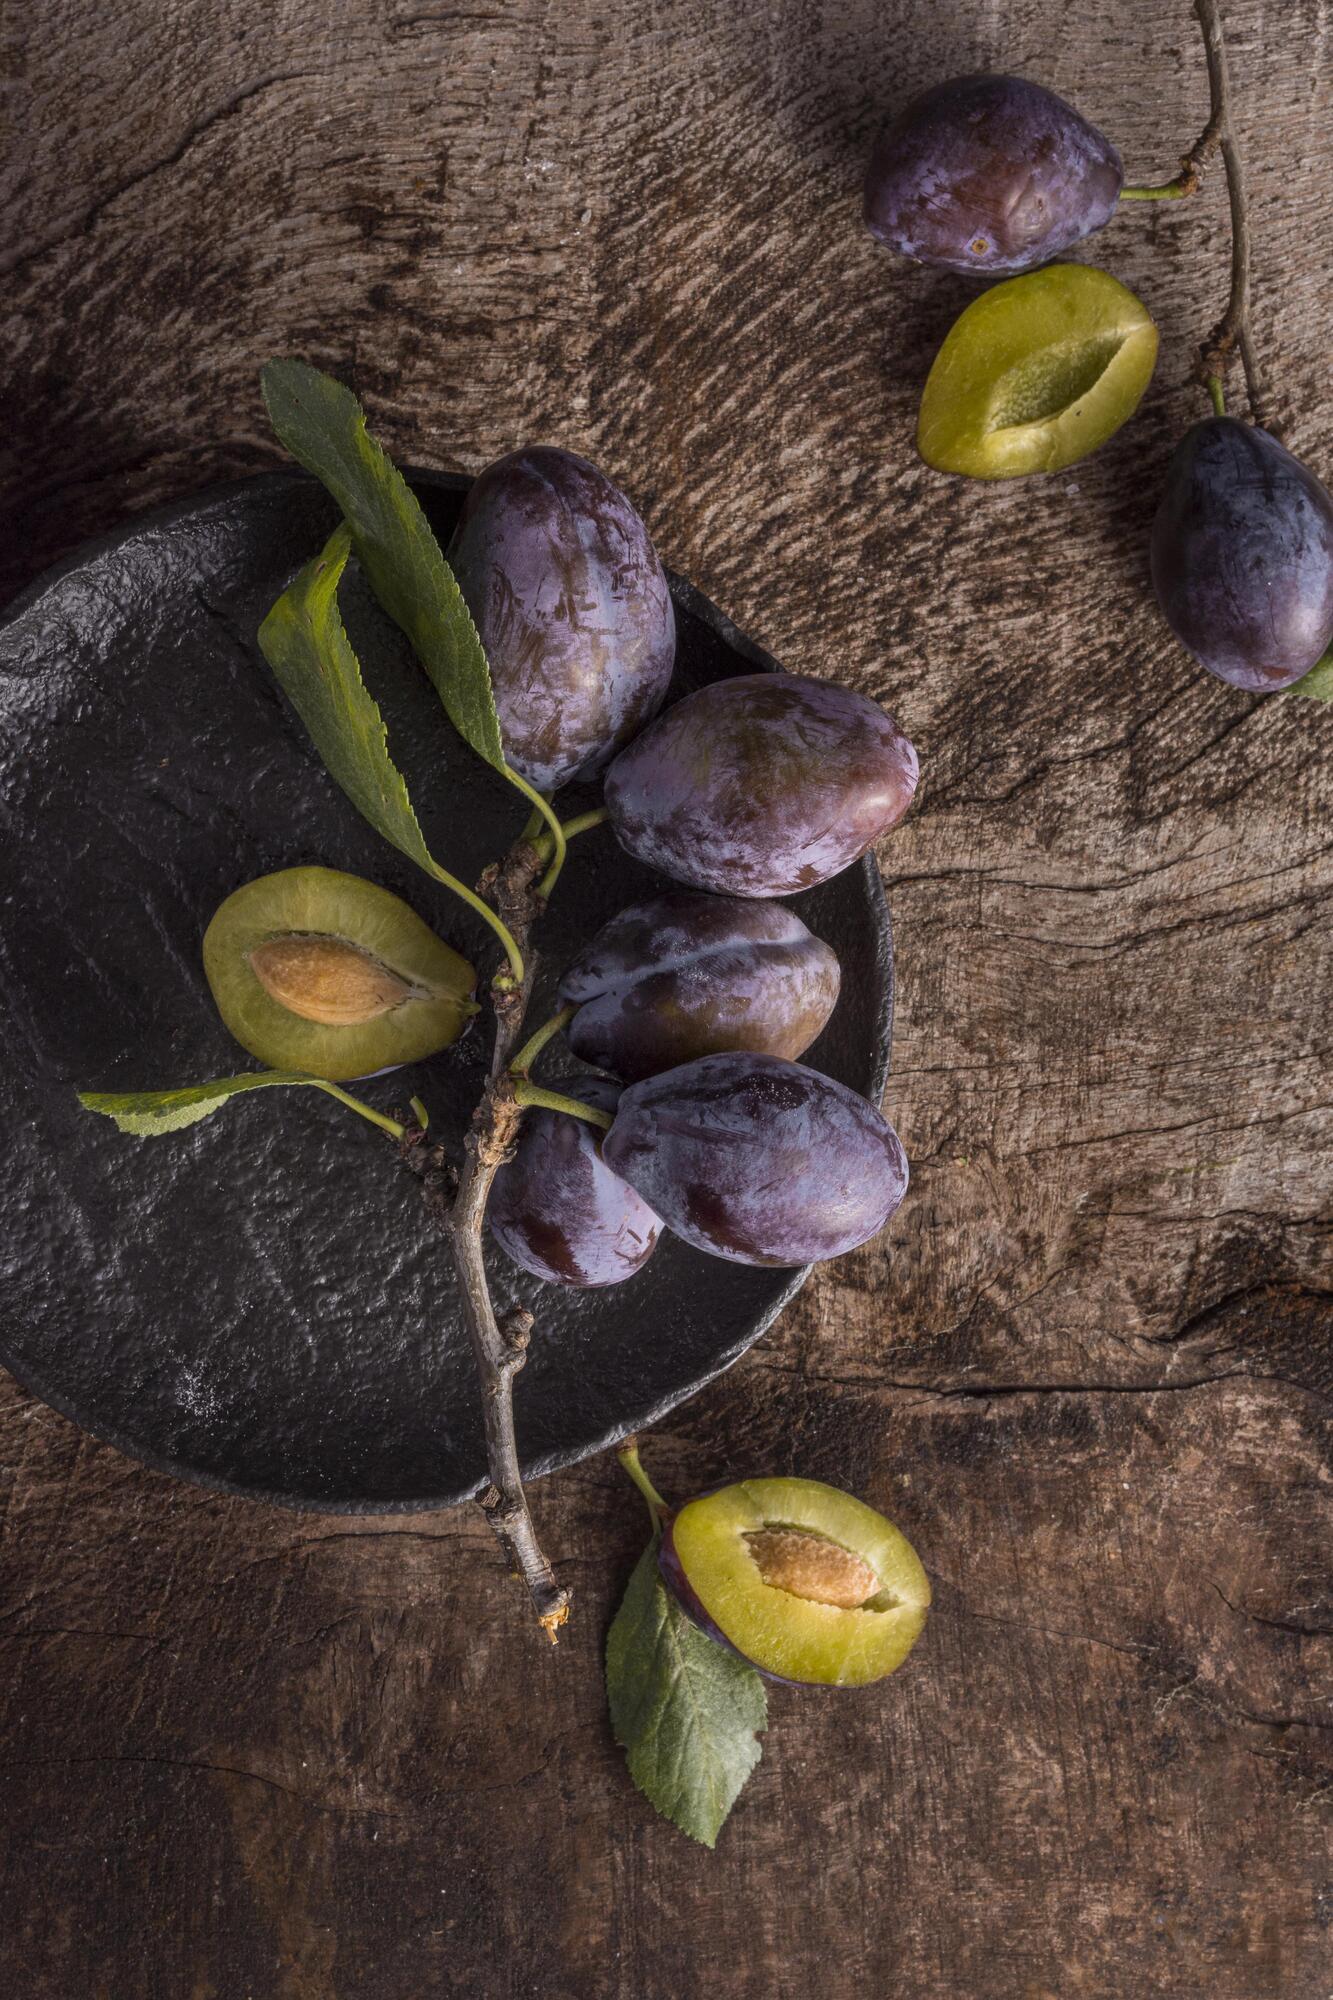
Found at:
[1036, 374]
[708, 1559]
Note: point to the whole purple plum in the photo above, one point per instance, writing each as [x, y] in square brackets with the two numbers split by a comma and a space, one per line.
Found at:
[1242, 555]
[685, 976]
[758, 1160]
[572, 606]
[761, 785]
[557, 1209]
[990, 174]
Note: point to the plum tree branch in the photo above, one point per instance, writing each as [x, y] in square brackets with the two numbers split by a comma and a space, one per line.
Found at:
[499, 1344]
[1232, 332]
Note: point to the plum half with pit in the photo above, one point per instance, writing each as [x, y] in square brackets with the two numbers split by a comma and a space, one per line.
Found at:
[572, 606]
[558, 1211]
[322, 972]
[761, 785]
[801, 1580]
[989, 174]
[684, 975]
[1242, 555]
[758, 1160]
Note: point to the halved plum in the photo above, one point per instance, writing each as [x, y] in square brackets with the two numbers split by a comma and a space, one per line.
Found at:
[806, 1583]
[323, 972]
[1035, 374]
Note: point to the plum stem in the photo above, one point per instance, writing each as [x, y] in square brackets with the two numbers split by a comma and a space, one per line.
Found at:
[628, 1454]
[499, 1344]
[389, 1125]
[1213, 384]
[420, 1113]
[1232, 332]
[582, 823]
[534, 1045]
[1176, 190]
[542, 811]
[531, 1095]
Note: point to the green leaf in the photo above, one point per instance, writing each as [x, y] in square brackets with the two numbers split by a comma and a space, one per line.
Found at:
[304, 642]
[1318, 683]
[145, 1114]
[686, 1712]
[324, 428]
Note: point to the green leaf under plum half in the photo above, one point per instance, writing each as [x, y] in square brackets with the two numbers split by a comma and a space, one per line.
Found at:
[686, 1712]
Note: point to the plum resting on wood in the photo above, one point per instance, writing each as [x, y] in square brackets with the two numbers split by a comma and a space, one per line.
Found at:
[990, 174]
[558, 1211]
[685, 975]
[758, 1160]
[572, 606]
[804, 1582]
[1242, 555]
[761, 785]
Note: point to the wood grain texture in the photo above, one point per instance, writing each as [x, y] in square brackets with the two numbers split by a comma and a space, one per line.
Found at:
[1090, 1369]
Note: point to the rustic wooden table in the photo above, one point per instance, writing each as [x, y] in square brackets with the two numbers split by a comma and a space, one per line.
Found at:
[248, 1753]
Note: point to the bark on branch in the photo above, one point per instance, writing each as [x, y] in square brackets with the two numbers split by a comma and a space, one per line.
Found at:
[1232, 332]
[499, 1344]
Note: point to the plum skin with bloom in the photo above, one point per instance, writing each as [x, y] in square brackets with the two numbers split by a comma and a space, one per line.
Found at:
[572, 607]
[1242, 555]
[989, 174]
[686, 975]
[758, 1160]
[761, 785]
[558, 1211]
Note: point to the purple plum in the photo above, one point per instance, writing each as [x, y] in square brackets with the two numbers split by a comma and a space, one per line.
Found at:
[1242, 555]
[990, 174]
[572, 606]
[687, 975]
[559, 1211]
[758, 1160]
[761, 785]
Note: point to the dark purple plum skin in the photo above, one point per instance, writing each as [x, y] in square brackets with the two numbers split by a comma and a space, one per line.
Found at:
[758, 1160]
[573, 609]
[989, 174]
[685, 975]
[672, 1572]
[558, 1210]
[761, 785]
[1242, 555]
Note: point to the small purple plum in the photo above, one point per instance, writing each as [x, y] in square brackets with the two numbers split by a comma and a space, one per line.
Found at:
[558, 1211]
[686, 975]
[572, 607]
[989, 174]
[761, 785]
[758, 1160]
[1242, 555]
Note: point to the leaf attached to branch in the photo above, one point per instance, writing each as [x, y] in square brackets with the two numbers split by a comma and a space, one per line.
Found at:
[147, 1114]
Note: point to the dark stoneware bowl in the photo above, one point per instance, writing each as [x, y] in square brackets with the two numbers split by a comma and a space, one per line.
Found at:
[254, 1302]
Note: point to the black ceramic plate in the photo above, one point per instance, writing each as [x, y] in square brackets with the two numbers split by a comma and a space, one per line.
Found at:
[253, 1302]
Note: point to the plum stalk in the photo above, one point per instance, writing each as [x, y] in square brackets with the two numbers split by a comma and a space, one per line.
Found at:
[499, 1343]
[1232, 331]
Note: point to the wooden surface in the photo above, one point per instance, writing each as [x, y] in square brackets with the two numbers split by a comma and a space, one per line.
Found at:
[257, 1756]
